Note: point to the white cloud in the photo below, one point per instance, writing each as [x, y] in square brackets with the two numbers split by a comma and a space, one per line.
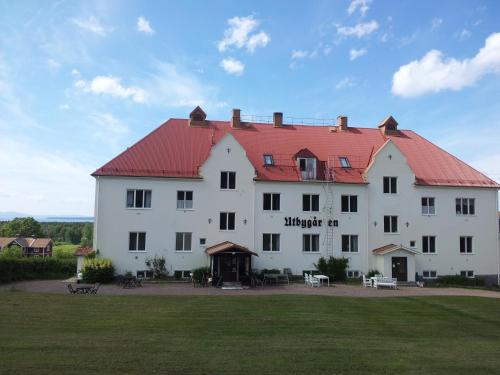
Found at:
[327, 50]
[75, 72]
[64, 106]
[360, 30]
[232, 66]
[355, 53]
[434, 73]
[463, 34]
[345, 83]
[109, 85]
[93, 25]
[299, 54]
[238, 35]
[436, 22]
[108, 129]
[53, 64]
[143, 26]
[362, 5]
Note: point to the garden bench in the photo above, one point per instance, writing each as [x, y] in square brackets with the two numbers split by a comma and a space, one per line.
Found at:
[385, 281]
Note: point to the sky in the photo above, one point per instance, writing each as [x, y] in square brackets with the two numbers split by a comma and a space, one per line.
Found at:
[82, 81]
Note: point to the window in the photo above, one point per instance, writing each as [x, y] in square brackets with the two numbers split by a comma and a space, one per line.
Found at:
[226, 221]
[429, 244]
[465, 206]
[268, 159]
[390, 224]
[413, 244]
[270, 242]
[137, 241]
[310, 243]
[310, 202]
[349, 203]
[138, 198]
[429, 274]
[146, 274]
[183, 241]
[344, 162]
[307, 167]
[185, 200]
[182, 274]
[465, 244]
[203, 241]
[390, 185]
[469, 274]
[349, 243]
[428, 206]
[228, 180]
[352, 274]
[271, 202]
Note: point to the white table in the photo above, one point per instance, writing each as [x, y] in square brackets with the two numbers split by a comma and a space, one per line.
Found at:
[321, 278]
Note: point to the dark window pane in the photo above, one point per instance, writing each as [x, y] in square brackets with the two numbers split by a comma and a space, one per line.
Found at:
[223, 180]
[354, 244]
[147, 198]
[132, 241]
[142, 241]
[178, 241]
[432, 244]
[387, 224]
[230, 225]
[315, 242]
[180, 195]
[465, 208]
[130, 198]
[386, 184]
[266, 242]
[315, 203]
[139, 198]
[469, 244]
[276, 202]
[189, 195]
[345, 243]
[223, 221]
[394, 224]
[425, 244]
[344, 203]
[187, 241]
[462, 244]
[232, 180]
[472, 208]
[302, 163]
[394, 185]
[276, 242]
[306, 202]
[458, 206]
[354, 203]
[267, 202]
[307, 242]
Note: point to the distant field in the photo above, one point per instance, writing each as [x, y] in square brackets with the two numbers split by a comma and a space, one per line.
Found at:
[64, 250]
[68, 334]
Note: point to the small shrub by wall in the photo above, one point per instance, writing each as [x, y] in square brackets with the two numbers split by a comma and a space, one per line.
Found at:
[18, 269]
[457, 280]
[335, 268]
[98, 270]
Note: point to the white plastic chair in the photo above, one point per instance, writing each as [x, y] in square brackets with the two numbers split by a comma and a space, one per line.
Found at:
[314, 282]
[367, 282]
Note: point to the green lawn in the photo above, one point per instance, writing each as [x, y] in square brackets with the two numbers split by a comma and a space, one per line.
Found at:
[66, 250]
[66, 334]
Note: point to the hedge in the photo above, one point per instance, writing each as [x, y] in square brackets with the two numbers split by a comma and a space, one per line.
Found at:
[15, 269]
[98, 270]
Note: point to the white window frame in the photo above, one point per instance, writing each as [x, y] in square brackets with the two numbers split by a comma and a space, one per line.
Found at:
[268, 159]
[468, 274]
[227, 213]
[466, 243]
[183, 247]
[311, 236]
[137, 250]
[183, 204]
[310, 202]
[391, 178]
[427, 239]
[272, 202]
[470, 202]
[344, 162]
[429, 274]
[270, 244]
[134, 206]
[390, 224]
[350, 243]
[427, 209]
[228, 173]
[309, 173]
[349, 203]
[353, 274]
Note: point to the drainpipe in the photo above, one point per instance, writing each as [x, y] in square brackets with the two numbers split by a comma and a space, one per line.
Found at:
[96, 212]
[498, 240]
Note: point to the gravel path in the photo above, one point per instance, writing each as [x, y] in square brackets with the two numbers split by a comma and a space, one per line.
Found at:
[175, 289]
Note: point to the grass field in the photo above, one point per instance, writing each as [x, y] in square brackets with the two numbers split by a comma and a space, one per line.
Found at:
[66, 334]
[64, 250]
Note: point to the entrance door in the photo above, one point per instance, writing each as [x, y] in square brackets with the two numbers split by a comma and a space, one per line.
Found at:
[228, 267]
[400, 268]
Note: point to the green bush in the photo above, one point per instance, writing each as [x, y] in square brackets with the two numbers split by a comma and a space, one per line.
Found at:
[373, 273]
[199, 272]
[98, 270]
[12, 252]
[335, 268]
[459, 280]
[14, 269]
[157, 265]
[266, 271]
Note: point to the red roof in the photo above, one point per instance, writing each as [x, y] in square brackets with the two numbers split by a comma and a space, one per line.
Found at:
[177, 150]
[82, 251]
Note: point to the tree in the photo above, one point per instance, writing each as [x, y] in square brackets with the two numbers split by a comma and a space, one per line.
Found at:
[87, 234]
[23, 227]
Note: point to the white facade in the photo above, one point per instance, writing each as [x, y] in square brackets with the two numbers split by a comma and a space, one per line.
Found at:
[163, 220]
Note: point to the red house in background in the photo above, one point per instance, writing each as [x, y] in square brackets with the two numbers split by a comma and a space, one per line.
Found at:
[31, 246]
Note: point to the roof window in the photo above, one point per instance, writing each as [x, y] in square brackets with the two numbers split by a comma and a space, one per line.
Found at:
[268, 159]
[344, 162]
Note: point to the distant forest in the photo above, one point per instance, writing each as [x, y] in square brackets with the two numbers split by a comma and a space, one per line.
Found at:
[74, 233]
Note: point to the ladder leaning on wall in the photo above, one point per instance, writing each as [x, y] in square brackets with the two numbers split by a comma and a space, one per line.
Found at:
[328, 206]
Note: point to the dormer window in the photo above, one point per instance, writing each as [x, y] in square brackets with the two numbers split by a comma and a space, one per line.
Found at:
[268, 159]
[344, 162]
[307, 167]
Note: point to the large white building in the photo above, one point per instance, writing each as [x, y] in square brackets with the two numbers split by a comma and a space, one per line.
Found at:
[239, 196]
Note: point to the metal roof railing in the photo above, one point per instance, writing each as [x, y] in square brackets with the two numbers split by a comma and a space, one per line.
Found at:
[288, 120]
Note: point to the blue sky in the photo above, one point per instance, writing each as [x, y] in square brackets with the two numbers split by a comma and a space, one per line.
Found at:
[81, 81]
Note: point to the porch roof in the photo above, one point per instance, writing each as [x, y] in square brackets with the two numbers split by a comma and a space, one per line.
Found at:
[227, 246]
[386, 249]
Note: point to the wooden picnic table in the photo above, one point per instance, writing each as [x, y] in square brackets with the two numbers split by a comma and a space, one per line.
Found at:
[132, 282]
[276, 277]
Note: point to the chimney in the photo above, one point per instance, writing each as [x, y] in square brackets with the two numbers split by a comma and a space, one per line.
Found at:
[236, 119]
[389, 126]
[197, 117]
[341, 123]
[278, 119]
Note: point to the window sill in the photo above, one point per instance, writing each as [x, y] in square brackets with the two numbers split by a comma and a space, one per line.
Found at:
[272, 211]
[138, 208]
[183, 251]
[392, 233]
[350, 252]
[467, 253]
[137, 251]
[349, 213]
[271, 251]
[311, 252]
[228, 189]
[429, 215]
[462, 215]
[429, 253]
[185, 209]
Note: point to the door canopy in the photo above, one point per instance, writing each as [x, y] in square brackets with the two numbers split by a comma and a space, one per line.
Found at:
[391, 248]
[228, 247]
